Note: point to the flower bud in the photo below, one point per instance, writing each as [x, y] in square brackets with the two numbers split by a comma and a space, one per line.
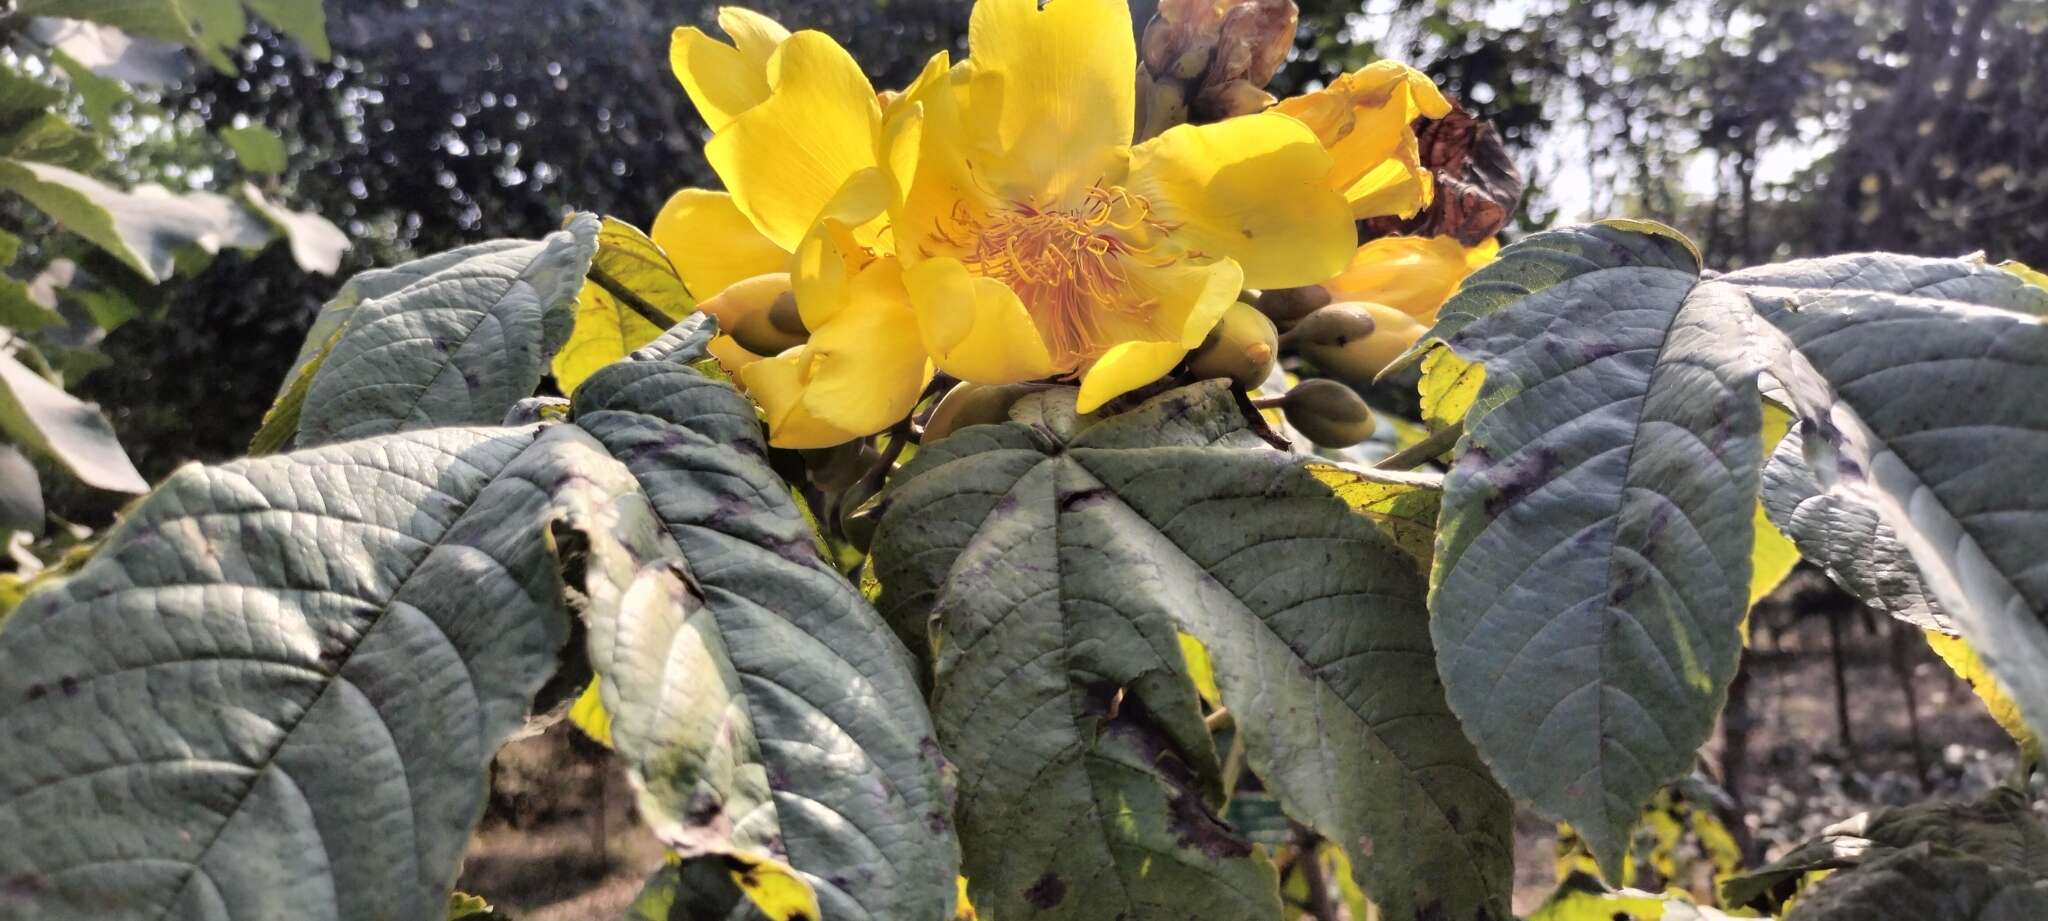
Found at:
[1286, 306]
[1354, 341]
[1328, 413]
[835, 468]
[973, 404]
[1206, 60]
[1242, 347]
[859, 514]
[760, 314]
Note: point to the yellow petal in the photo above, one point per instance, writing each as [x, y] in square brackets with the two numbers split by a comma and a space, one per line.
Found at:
[1125, 368]
[785, 158]
[729, 354]
[1414, 275]
[856, 376]
[837, 245]
[1189, 296]
[756, 36]
[1366, 120]
[720, 81]
[1052, 92]
[711, 243]
[1249, 189]
[975, 328]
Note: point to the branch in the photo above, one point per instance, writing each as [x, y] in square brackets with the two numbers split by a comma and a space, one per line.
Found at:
[627, 296]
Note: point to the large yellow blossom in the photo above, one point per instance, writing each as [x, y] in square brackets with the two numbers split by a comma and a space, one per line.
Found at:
[992, 220]
[1366, 119]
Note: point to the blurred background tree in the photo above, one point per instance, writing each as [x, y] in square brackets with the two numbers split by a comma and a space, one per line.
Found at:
[1765, 129]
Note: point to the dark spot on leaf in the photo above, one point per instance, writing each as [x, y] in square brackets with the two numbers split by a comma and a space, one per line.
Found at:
[1047, 892]
[1516, 476]
[69, 685]
[1083, 499]
[25, 885]
[36, 692]
[1452, 815]
[937, 822]
[704, 808]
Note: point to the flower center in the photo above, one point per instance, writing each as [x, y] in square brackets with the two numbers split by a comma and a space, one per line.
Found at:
[1070, 266]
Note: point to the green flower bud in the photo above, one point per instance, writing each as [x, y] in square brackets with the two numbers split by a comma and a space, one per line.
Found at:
[1329, 413]
[1242, 347]
[973, 404]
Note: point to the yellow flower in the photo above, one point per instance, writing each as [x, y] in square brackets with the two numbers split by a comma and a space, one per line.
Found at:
[1366, 118]
[993, 220]
[1414, 275]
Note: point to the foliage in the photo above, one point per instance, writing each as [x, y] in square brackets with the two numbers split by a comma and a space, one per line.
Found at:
[1160, 658]
[55, 134]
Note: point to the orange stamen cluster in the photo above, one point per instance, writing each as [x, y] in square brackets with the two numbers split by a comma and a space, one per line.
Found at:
[1066, 265]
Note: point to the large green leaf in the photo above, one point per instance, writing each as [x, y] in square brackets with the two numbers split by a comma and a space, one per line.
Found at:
[1057, 565]
[281, 421]
[848, 765]
[36, 414]
[458, 346]
[1923, 882]
[1917, 382]
[274, 690]
[1599, 520]
[1593, 562]
[208, 27]
[1998, 828]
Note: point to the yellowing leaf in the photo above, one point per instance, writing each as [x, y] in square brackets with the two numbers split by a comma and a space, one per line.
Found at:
[588, 714]
[606, 331]
[464, 905]
[1774, 554]
[1963, 660]
[964, 911]
[1449, 387]
[631, 287]
[776, 889]
[1403, 506]
[1200, 669]
[2032, 275]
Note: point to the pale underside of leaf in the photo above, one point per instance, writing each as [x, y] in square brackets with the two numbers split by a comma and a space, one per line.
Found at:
[851, 766]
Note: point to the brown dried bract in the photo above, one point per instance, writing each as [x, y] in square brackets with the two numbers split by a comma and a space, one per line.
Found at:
[1477, 184]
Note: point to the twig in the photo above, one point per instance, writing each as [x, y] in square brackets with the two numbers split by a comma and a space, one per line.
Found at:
[1319, 905]
[1423, 451]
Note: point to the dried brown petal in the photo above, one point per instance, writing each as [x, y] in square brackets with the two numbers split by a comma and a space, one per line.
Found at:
[1477, 184]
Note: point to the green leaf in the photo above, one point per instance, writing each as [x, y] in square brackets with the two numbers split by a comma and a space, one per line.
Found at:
[196, 24]
[632, 295]
[316, 243]
[460, 346]
[37, 415]
[845, 746]
[1594, 558]
[1998, 828]
[276, 687]
[258, 149]
[23, 97]
[1057, 565]
[1923, 882]
[111, 55]
[1917, 383]
[304, 20]
[144, 228]
[21, 492]
[53, 139]
[281, 421]
[100, 96]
